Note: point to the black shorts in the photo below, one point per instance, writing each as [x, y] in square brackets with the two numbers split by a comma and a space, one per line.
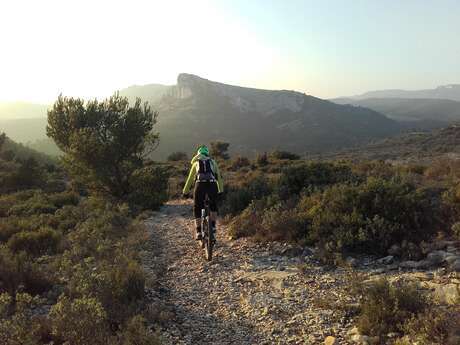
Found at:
[201, 189]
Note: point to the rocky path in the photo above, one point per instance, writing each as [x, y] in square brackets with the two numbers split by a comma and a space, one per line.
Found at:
[248, 294]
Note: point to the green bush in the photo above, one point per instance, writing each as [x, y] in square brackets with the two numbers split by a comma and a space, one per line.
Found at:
[36, 243]
[239, 162]
[136, 332]
[284, 155]
[149, 187]
[16, 324]
[385, 308]
[37, 204]
[80, 321]
[17, 270]
[438, 326]
[62, 199]
[262, 159]
[369, 217]
[311, 176]
[177, 156]
[269, 220]
[237, 198]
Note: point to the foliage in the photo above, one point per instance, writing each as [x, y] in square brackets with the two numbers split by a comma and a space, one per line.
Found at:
[262, 159]
[177, 156]
[16, 326]
[70, 326]
[433, 327]
[284, 155]
[149, 187]
[385, 308]
[219, 149]
[239, 162]
[369, 217]
[297, 178]
[104, 143]
[237, 198]
[18, 271]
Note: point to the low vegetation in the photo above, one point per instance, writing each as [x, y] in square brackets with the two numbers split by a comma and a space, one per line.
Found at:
[70, 272]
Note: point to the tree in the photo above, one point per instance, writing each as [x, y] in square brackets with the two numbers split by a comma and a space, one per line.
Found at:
[104, 143]
[219, 149]
[2, 139]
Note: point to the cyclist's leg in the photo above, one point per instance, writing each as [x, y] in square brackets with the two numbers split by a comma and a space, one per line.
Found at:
[212, 193]
[198, 198]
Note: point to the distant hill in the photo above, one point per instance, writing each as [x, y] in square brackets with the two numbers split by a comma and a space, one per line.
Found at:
[197, 110]
[24, 130]
[422, 113]
[22, 110]
[451, 92]
[415, 146]
[23, 152]
[151, 93]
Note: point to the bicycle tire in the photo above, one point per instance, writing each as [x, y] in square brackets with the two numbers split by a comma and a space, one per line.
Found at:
[209, 244]
[203, 232]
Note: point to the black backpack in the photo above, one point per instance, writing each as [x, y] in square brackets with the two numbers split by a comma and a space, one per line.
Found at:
[205, 172]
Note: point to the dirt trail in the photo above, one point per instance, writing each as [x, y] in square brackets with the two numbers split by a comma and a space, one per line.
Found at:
[248, 294]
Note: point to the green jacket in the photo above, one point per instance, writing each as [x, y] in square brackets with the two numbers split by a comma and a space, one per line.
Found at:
[194, 170]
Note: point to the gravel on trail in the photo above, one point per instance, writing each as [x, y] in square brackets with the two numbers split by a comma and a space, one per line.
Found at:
[249, 293]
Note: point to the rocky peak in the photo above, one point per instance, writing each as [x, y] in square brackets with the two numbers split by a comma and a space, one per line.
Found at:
[243, 98]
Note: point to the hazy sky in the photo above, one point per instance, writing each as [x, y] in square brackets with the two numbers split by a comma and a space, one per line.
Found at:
[89, 48]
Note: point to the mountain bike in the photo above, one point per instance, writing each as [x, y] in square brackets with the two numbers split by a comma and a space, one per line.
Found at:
[207, 238]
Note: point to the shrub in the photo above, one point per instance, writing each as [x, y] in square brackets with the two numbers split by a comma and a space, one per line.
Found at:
[36, 243]
[16, 324]
[18, 270]
[80, 321]
[269, 220]
[60, 200]
[177, 156]
[295, 179]
[135, 332]
[262, 159]
[37, 204]
[370, 217]
[385, 308]
[239, 162]
[219, 149]
[434, 327]
[237, 198]
[149, 187]
[284, 155]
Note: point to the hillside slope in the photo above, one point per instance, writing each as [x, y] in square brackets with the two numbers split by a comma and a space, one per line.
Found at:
[197, 110]
[423, 113]
[414, 146]
[451, 92]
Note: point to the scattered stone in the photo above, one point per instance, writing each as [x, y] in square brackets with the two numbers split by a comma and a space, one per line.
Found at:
[395, 250]
[378, 270]
[455, 266]
[330, 340]
[387, 260]
[448, 293]
[414, 264]
[450, 259]
[353, 331]
[422, 275]
[352, 262]
[436, 258]
[361, 339]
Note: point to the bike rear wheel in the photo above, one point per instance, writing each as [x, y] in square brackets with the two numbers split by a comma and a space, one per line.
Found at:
[209, 244]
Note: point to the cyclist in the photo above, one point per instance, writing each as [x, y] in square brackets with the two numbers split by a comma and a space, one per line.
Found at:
[206, 176]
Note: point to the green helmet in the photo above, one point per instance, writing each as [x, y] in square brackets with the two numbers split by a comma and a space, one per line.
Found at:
[203, 150]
